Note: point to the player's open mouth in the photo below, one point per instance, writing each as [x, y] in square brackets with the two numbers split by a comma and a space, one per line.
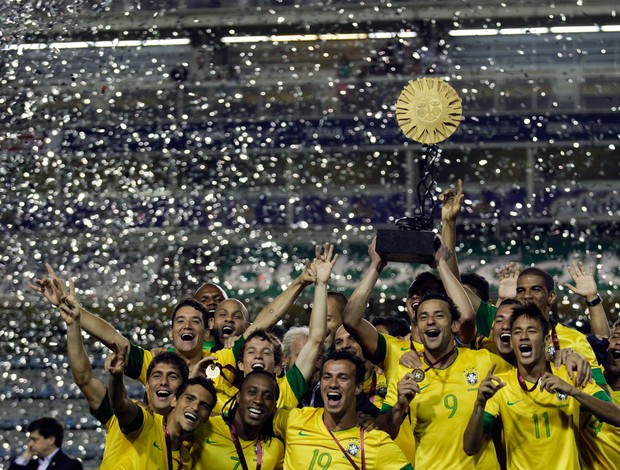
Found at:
[187, 336]
[432, 333]
[258, 366]
[163, 393]
[615, 353]
[190, 416]
[333, 398]
[526, 350]
[227, 330]
[505, 338]
[255, 412]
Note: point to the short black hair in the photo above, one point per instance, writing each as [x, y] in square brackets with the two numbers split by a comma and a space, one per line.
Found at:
[509, 302]
[454, 310]
[172, 359]
[479, 283]
[340, 299]
[196, 306]
[265, 335]
[203, 382]
[48, 427]
[395, 326]
[530, 311]
[547, 279]
[424, 283]
[345, 355]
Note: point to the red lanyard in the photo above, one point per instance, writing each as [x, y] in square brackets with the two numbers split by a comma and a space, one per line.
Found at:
[524, 385]
[242, 461]
[169, 447]
[441, 359]
[344, 452]
[554, 337]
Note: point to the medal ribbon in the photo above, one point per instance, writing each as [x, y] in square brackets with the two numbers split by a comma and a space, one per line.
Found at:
[242, 461]
[169, 447]
[441, 359]
[344, 452]
[554, 337]
[373, 387]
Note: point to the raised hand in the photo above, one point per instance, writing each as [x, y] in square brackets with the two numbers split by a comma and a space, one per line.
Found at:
[324, 263]
[489, 386]
[585, 285]
[375, 258]
[115, 362]
[52, 287]
[308, 274]
[442, 253]
[451, 202]
[411, 360]
[408, 388]
[508, 276]
[69, 306]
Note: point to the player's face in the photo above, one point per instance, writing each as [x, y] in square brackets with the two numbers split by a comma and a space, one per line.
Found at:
[435, 325]
[334, 314]
[161, 386]
[41, 446]
[613, 353]
[257, 399]
[531, 290]
[258, 354]
[338, 387]
[187, 330]
[500, 332]
[343, 340]
[230, 319]
[528, 341]
[192, 408]
[210, 296]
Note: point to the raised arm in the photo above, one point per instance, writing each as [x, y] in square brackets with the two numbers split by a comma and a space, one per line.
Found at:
[585, 286]
[125, 409]
[474, 436]
[269, 316]
[456, 291]
[53, 289]
[508, 276]
[451, 202]
[353, 315]
[93, 389]
[323, 265]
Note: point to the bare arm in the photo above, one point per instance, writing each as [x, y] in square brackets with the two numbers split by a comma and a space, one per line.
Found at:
[353, 315]
[451, 202]
[273, 313]
[606, 411]
[53, 289]
[93, 389]
[456, 291]
[324, 263]
[125, 409]
[585, 286]
[474, 436]
[391, 421]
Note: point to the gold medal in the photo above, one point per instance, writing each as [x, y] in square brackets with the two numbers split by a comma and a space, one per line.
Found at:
[418, 375]
[428, 110]
[212, 371]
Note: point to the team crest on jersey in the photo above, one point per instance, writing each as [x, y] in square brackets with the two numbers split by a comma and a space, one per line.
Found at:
[471, 376]
[353, 449]
[382, 391]
[562, 396]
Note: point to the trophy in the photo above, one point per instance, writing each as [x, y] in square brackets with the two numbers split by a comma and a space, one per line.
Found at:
[428, 111]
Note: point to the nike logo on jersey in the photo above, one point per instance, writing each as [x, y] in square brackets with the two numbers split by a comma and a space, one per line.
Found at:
[510, 403]
[156, 446]
[405, 349]
[209, 441]
[422, 388]
[303, 434]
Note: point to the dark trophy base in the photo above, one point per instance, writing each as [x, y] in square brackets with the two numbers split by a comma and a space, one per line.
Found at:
[413, 242]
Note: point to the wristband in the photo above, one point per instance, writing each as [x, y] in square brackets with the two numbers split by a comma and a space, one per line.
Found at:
[594, 302]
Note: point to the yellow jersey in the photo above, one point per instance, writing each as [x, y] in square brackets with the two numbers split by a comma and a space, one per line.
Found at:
[599, 442]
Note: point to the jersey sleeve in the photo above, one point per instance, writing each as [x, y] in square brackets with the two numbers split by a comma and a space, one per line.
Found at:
[484, 318]
[138, 363]
[280, 421]
[296, 381]
[390, 457]
[139, 421]
[104, 412]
